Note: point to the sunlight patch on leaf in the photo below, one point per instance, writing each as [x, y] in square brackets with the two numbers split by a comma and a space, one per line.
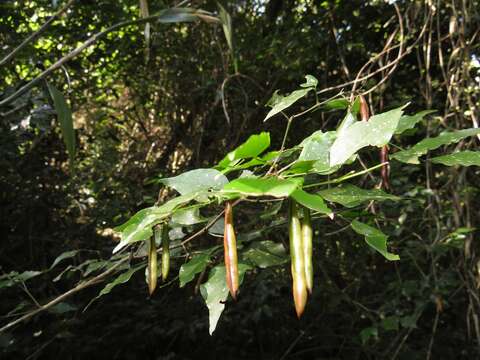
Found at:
[376, 132]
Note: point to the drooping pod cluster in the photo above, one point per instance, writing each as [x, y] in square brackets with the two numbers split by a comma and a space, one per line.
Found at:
[385, 171]
[300, 234]
[160, 237]
[230, 251]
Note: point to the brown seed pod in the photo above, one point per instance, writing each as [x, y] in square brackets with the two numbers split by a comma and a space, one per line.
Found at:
[230, 251]
[364, 112]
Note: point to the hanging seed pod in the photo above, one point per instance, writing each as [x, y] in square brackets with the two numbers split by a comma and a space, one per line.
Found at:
[385, 171]
[230, 248]
[307, 237]
[364, 112]
[165, 252]
[152, 265]
[297, 259]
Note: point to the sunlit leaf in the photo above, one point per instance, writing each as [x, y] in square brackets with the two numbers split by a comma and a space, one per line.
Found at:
[188, 216]
[215, 292]
[310, 81]
[350, 195]
[462, 158]
[254, 146]
[260, 187]
[336, 104]
[376, 132]
[139, 226]
[196, 180]
[411, 155]
[311, 201]
[375, 238]
[347, 121]
[316, 151]
[279, 103]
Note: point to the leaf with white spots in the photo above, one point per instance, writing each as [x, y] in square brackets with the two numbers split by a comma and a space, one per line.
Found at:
[462, 158]
[376, 132]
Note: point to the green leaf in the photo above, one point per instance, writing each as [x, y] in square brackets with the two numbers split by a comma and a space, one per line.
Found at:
[368, 333]
[407, 122]
[188, 216]
[350, 195]
[347, 121]
[265, 254]
[64, 115]
[411, 155]
[226, 25]
[139, 226]
[196, 265]
[375, 238]
[95, 265]
[65, 255]
[336, 104]
[226, 21]
[254, 146]
[12, 278]
[311, 201]
[196, 180]
[261, 187]
[462, 158]
[62, 308]
[391, 323]
[376, 132]
[310, 81]
[215, 292]
[174, 15]
[316, 152]
[280, 103]
[121, 279]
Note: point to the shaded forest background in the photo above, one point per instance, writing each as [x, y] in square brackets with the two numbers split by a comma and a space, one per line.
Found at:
[146, 112]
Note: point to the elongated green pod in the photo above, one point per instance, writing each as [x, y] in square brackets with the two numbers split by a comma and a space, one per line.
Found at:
[165, 252]
[307, 236]
[298, 259]
[230, 251]
[152, 265]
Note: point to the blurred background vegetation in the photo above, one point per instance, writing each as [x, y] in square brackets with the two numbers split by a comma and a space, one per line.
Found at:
[144, 110]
